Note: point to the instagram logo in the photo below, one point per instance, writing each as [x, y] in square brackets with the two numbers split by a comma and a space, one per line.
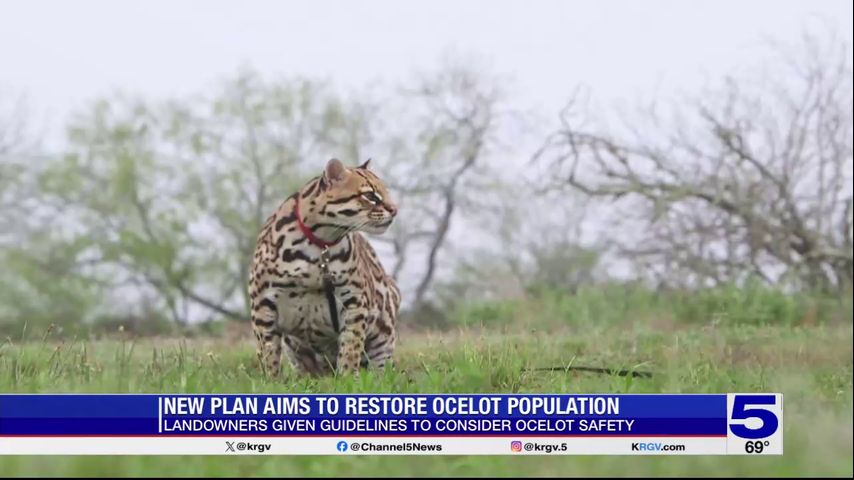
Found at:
[516, 446]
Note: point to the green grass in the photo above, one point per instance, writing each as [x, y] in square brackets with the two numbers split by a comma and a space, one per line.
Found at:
[811, 365]
[615, 304]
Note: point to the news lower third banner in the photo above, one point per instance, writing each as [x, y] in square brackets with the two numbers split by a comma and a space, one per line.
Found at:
[294, 424]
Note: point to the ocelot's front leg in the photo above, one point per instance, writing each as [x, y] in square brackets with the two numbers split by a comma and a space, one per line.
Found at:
[351, 340]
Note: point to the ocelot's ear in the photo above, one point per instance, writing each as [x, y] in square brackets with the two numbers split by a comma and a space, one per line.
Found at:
[364, 166]
[335, 172]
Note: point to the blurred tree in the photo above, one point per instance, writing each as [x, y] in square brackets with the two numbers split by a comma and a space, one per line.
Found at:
[163, 200]
[750, 180]
[16, 147]
[439, 168]
[34, 293]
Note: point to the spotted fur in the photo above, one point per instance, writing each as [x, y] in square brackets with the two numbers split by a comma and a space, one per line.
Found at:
[289, 310]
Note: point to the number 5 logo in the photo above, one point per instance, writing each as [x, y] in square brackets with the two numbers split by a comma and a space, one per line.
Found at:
[740, 411]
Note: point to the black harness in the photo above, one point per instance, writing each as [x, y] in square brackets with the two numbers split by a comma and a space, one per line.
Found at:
[329, 288]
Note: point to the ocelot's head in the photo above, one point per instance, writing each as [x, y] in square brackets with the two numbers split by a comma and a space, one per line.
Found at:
[351, 199]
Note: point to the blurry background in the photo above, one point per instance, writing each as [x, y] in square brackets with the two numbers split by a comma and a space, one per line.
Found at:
[554, 162]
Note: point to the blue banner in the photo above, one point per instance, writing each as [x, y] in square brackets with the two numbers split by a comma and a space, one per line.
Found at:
[363, 415]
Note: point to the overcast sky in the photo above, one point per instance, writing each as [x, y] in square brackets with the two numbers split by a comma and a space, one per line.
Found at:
[61, 54]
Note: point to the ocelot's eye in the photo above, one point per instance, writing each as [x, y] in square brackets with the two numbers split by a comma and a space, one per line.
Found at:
[372, 197]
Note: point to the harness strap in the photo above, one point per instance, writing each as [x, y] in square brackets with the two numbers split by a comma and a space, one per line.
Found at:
[328, 286]
[329, 289]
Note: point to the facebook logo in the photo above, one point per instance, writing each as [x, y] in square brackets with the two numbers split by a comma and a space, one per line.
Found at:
[342, 446]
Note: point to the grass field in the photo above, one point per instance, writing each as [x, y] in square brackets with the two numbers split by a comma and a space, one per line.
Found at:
[811, 365]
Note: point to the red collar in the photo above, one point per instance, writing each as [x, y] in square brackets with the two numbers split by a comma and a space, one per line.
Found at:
[307, 231]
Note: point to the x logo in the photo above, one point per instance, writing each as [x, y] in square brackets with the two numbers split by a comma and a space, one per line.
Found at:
[229, 446]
